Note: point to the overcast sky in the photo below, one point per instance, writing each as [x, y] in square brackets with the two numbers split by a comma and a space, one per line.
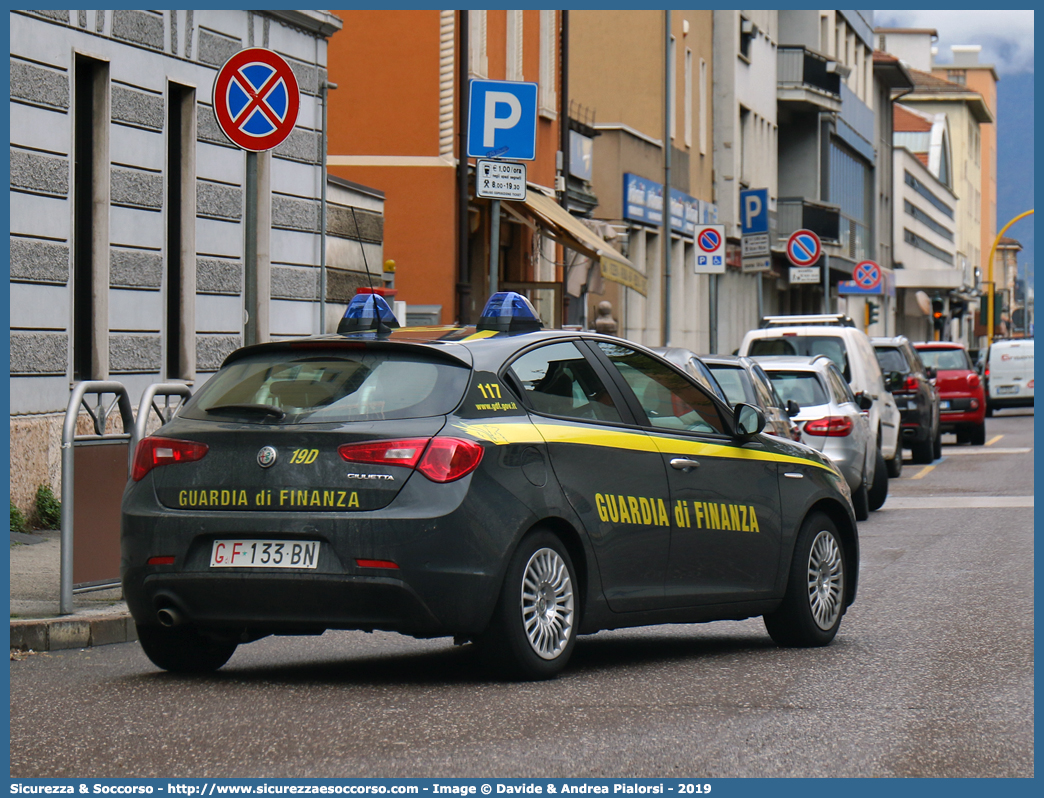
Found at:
[1006, 36]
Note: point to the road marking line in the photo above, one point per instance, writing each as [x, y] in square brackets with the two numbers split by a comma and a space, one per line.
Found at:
[955, 502]
[922, 472]
[993, 440]
[979, 450]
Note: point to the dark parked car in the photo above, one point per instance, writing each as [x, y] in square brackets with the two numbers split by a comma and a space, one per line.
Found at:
[911, 383]
[743, 380]
[507, 485]
[694, 367]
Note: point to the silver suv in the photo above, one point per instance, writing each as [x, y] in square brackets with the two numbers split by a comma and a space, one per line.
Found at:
[833, 421]
[852, 353]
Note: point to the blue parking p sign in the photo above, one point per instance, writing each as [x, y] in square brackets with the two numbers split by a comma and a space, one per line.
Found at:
[502, 120]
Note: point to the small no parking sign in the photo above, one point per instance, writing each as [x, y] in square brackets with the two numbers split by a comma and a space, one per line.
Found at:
[710, 249]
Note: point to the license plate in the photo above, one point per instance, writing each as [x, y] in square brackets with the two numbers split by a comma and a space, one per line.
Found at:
[264, 554]
[944, 405]
[1007, 389]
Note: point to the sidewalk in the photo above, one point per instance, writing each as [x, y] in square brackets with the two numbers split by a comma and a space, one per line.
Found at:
[99, 616]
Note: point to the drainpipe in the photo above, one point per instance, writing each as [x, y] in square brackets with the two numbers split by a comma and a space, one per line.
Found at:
[463, 268]
[563, 124]
[667, 177]
[327, 85]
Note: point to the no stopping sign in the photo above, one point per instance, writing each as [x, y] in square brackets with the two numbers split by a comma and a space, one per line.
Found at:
[256, 99]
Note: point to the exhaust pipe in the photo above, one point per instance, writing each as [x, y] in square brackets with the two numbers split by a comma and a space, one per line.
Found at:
[169, 617]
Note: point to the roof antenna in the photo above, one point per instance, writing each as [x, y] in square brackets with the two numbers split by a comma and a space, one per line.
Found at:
[381, 326]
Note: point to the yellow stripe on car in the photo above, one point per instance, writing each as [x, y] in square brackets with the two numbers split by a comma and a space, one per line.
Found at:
[523, 432]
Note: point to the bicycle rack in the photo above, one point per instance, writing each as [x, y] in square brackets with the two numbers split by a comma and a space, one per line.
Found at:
[99, 415]
[106, 475]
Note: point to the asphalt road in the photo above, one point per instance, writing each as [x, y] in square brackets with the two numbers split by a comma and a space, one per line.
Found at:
[931, 675]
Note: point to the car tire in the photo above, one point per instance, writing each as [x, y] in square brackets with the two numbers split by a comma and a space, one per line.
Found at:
[814, 602]
[879, 488]
[964, 435]
[937, 445]
[183, 649]
[978, 435]
[989, 410]
[922, 451]
[895, 465]
[861, 501]
[533, 630]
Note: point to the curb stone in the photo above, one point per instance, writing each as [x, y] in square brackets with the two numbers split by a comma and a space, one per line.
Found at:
[55, 634]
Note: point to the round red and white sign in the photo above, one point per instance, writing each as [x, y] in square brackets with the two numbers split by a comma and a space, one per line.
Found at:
[256, 99]
[709, 240]
[803, 248]
[867, 275]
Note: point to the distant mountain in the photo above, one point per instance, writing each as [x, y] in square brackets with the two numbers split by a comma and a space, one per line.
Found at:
[1015, 174]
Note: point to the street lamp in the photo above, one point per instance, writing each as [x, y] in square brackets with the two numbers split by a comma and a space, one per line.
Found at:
[993, 250]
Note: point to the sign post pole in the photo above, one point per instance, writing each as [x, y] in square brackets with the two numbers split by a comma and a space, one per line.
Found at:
[826, 283]
[256, 102]
[250, 330]
[494, 246]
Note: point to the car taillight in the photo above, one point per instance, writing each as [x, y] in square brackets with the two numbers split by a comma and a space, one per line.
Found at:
[439, 459]
[155, 452]
[449, 459]
[404, 453]
[973, 380]
[830, 427]
[911, 384]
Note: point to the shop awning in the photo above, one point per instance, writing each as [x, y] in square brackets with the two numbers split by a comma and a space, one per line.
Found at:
[571, 232]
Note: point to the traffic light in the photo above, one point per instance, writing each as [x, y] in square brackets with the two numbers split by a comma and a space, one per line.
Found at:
[938, 314]
[957, 307]
[871, 312]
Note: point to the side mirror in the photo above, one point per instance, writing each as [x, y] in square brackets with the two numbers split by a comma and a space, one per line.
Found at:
[894, 382]
[747, 421]
[864, 401]
[930, 371]
[793, 408]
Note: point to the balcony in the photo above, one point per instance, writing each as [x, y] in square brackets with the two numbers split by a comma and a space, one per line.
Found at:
[807, 80]
[798, 213]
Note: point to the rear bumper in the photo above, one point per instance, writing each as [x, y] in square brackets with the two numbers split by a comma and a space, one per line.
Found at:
[915, 421]
[450, 548]
[1011, 401]
[959, 411]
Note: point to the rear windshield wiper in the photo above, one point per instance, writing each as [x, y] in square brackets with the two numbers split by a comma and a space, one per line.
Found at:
[265, 410]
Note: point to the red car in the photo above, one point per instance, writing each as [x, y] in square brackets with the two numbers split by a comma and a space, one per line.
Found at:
[962, 401]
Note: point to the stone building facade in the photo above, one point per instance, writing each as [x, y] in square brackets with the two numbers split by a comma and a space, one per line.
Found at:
[128, 207]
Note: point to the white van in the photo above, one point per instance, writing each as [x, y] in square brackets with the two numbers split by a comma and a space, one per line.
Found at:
[1009, 374]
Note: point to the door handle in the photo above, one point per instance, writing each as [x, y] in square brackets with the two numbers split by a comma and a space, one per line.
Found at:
[684, 464]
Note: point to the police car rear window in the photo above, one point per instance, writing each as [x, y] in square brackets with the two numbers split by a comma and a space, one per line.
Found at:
[302, 387]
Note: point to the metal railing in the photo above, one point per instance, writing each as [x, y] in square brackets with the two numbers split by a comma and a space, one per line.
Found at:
[99, 415]
[147, 406]
[798, 67]
[133, 430]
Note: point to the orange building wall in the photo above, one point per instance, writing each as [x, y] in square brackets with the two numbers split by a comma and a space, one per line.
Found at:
[386, 66]
[983, 79]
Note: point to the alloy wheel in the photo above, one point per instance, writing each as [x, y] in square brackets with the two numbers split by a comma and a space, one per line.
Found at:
[547, 603]
[826, 580]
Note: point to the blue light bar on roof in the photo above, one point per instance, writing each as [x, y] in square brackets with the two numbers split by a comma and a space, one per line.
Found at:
[508, 311]
[367, 312]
